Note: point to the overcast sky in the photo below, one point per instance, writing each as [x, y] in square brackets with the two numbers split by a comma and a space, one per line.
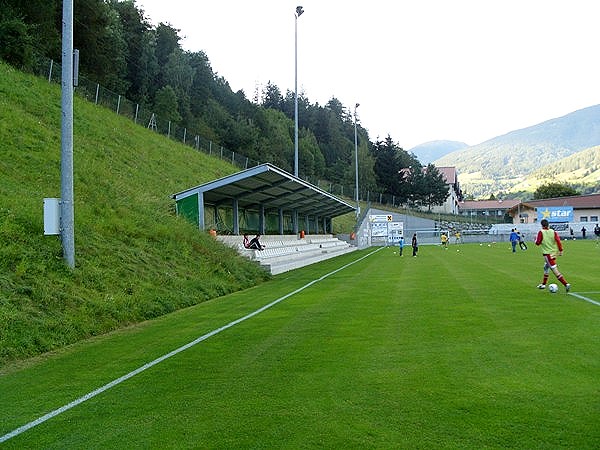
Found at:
[422, 70]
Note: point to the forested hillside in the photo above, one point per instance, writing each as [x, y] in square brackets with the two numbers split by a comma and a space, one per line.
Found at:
[123, 52]
[580, 170]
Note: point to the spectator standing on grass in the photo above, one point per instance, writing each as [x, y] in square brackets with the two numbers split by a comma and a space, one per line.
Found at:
[583, 231]
[415, 244]
[514, 239]
[597, 232]
[400, 245]
[549, 241]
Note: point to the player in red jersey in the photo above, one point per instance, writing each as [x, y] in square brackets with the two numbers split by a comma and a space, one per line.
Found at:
[550, 243]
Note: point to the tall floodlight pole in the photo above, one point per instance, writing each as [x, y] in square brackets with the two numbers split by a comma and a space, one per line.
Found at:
[298, 13]
[356, 160]
[66, 155]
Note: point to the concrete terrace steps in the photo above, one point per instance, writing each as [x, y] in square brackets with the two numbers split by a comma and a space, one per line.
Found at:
[287, 252]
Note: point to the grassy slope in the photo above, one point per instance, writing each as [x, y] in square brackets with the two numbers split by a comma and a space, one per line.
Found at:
[134, 259]
[447, 350]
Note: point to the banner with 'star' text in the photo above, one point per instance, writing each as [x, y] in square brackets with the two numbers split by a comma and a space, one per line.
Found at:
[555, 213]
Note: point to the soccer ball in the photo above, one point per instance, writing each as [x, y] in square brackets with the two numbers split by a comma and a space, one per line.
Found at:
[553, 288]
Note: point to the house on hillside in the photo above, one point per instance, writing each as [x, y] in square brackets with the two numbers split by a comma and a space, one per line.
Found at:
[451, 205]
[577, 208]
[478, 209]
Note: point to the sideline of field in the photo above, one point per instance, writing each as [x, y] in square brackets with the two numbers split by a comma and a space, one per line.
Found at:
[584, 296]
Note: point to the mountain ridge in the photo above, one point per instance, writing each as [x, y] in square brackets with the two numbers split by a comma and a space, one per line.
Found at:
[502, 163]
[433, 150]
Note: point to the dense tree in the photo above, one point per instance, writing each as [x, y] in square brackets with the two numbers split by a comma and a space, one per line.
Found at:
[167, 42]
[553, 190]
[98, 35]
[42, 18]
[335, 140]
[201, 83]
[178, 74]
[271, 97]
[142, 66]
[434, 190]
[366, 164]
[123, 52]
[401, 174]
[387, 166]
[17, 40]
[167, 109]
[275, 142]
[311, 162]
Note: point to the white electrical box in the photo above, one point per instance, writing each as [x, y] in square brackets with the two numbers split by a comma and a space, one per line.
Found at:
[51, 216]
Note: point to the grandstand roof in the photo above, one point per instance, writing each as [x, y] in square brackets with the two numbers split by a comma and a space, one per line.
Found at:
[272, 188]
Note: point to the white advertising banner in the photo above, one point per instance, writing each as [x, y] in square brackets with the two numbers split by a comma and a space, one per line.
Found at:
[379, 229]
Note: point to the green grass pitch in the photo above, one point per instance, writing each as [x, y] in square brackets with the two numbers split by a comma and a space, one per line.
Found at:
[453, 349]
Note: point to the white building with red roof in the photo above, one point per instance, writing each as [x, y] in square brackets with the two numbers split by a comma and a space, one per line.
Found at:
[451, 205]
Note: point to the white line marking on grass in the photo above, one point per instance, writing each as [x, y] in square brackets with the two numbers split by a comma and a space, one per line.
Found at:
[582, 297]
[135, 372]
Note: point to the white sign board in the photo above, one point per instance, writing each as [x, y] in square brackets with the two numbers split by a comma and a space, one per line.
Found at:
[395, 232]
[379, 229]
[380, 218]
[382, 228]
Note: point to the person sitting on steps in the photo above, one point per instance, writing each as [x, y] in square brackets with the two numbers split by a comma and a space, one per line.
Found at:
[255, 243]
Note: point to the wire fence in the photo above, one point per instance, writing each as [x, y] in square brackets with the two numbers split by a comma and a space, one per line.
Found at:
[145, 117]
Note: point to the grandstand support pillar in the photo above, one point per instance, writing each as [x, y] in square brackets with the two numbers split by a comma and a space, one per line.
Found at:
[201, 211]
[236, 217]
[261, 219]
[307, 224]
[317, 224]
[295, 221]
[280, 220]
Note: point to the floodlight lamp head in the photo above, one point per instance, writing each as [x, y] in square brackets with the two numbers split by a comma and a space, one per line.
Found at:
[299, 11]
